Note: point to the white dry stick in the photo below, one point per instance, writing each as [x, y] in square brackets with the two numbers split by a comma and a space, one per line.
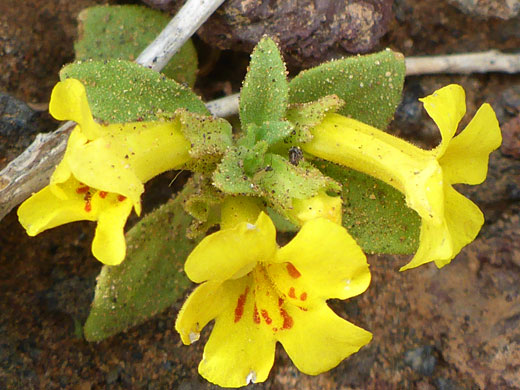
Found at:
[30, 171]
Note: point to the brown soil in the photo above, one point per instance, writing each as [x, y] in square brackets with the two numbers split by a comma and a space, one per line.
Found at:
[450, 329]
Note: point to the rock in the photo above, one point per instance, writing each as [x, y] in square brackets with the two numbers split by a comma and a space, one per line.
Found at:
[421, 360]
[503, 9]
[309, 31]
[511, 138]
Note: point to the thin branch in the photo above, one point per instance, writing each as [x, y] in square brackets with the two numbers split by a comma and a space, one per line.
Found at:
[188, 20]
[483, 62]
[31, 170]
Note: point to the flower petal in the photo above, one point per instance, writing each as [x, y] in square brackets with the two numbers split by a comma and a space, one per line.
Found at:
[44, 210]
[232, 253]
[466, 158]
[446, 107]
[239, 351]
[202, 306]
[321, 205]
[441, 243]
[69, 102]
[95, 165]
[149, 148]
[62, 172]
[323, 261]
[319, 339]
[109, 245]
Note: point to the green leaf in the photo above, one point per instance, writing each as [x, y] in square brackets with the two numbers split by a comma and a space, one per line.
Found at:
[209, 137]
[122, 91]
[150, 279]
[374, 213]
[230, 176]
[271, 131]
[284, 182]
[264, 93]
[370, 85]
[123, 32]
[305, 116]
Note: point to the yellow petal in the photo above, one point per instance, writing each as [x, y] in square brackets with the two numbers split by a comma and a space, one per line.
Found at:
[466, 157]
[321, 205]
[202, 306]
[69, 102]
[238, 209]
[44, 210]
[319, 340]
[413, 171]
[239, 351]
[109, 244]
[231, 253]
[95, 165]
[149, 148]
[62, 172]
[441, 243]
[323, 261]
[446, 107]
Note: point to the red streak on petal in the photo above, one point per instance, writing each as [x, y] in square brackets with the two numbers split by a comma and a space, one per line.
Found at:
[239, 310]
[256, 316]
[292, 293]
[303, 296]
[121, 198]
[280, 301]
[103, 194]
[287, 320]
[88, 206]
[302, 308]
[293, 271]
[266, 317]
[82, 190]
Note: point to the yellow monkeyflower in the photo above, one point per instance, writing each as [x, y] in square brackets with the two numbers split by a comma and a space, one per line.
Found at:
[320, 205]
[449, 220]
[260, 294]
[102, 172]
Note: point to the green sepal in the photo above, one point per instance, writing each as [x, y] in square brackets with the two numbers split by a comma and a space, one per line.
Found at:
[284, 182]
[203, 206]
[150, 279]
[123, 32]
[230, 176]
[270, 132]
[374, 213]
[121, 91]
[282, 224]
[264, 92]
[304, 116]
[210, 137]
[370, 86]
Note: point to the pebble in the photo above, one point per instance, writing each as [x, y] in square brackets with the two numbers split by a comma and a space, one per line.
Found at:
[421, 359]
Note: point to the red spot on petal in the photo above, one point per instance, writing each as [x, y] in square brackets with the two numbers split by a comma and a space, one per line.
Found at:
[303, 296]
[239, 310]
[287, 319]
[292, 293]
[88, 206]
[121, 198]
[293, 271]
[103, 194]
[266, 317]
[302, 308]
[82, 190]
[280, 301]
[256, 316]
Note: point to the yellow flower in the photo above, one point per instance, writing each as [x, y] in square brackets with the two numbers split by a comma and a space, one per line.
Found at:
[259, 294]
[320, 205]
[102, 172]
[449, 220]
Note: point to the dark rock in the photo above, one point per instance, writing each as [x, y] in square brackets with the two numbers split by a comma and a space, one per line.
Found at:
[309, 32]
[421, 360]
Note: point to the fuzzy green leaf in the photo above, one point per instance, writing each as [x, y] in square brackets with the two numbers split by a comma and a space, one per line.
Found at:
[284, 182]
[150, 279]
[209, 137]
[305, 116]
[374, 213]
[123, 32]
[122, 91]
[370, 85]
[230, 176]
[264, 93]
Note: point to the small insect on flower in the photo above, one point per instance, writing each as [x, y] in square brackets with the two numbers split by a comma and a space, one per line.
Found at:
[295, 155]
